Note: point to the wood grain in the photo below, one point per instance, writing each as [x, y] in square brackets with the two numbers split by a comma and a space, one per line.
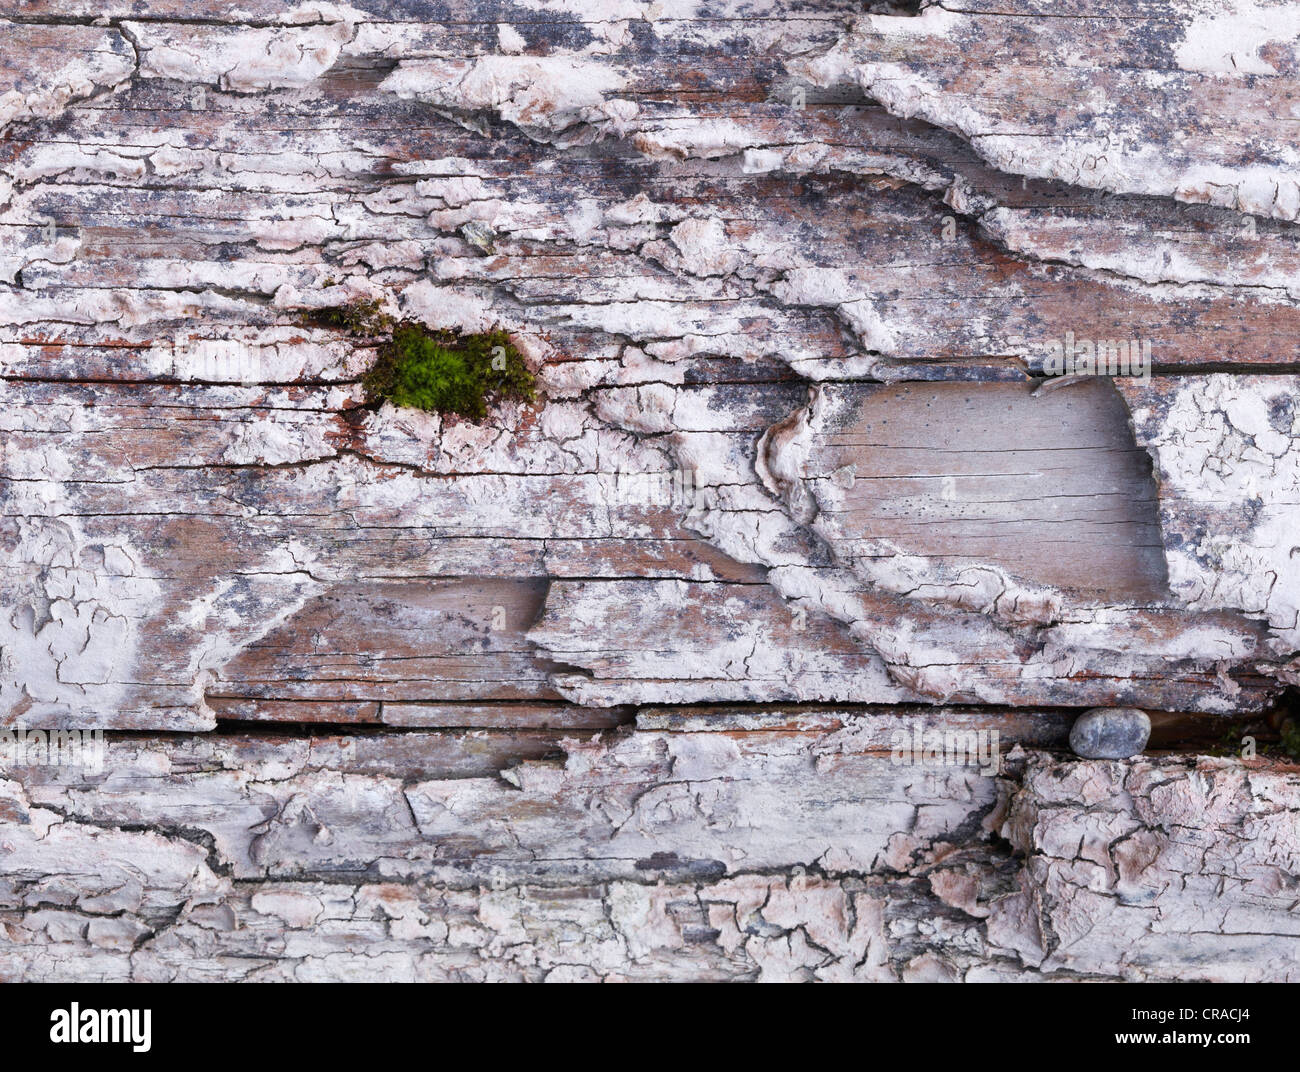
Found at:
[608, 686]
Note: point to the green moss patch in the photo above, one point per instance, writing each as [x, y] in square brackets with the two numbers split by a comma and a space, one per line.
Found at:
[446, 372]
[365, 317]
[440, 371]
[1290, 742]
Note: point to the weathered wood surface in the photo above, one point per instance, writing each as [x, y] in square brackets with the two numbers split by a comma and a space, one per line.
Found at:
[773, 853]
[605, 686]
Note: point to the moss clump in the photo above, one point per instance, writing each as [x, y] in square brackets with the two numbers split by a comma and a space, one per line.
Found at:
[1282, 740]
[1291, 739]
[447, 372]
[363, 316]
[441, 371]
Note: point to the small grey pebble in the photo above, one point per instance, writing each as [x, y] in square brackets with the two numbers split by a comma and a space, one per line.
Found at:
[1110, 733]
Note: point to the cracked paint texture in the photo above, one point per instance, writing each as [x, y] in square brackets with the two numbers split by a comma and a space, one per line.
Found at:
[604, 687]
